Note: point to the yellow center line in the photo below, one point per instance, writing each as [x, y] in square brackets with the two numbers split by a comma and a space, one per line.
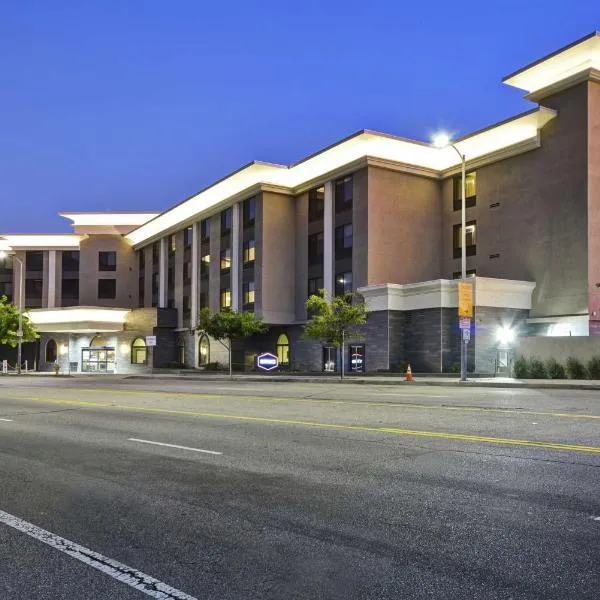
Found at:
[314, 424]
[409, 405]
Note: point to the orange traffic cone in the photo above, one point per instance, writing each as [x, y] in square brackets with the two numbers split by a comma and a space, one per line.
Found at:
[409, 376]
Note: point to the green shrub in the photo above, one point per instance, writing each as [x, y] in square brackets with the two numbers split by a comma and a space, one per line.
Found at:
[537, 369]
[593, 367]
[521, 368]
[402, 367]
[575, 368]
[554, 369]
[213, 366]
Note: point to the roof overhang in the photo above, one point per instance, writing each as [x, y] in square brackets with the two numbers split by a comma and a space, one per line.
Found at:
[437, 162]
[110, 223]
[41, 241]
[581, 58]
[78, 319]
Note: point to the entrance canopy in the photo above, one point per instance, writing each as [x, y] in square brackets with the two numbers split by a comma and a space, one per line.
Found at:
[78, 319]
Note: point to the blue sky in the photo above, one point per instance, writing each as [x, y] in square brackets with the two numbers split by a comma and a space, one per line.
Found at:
[136, 105]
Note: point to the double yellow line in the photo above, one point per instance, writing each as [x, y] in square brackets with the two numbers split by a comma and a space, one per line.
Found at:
[313, 424]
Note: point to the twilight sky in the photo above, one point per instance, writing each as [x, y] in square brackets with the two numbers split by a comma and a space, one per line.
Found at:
[137, 104]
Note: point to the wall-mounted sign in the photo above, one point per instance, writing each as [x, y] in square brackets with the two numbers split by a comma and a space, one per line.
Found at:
[150, 340]
[267, 361]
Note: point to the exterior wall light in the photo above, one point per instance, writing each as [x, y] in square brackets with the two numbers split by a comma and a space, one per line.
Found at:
[125, 349]
[505, 335]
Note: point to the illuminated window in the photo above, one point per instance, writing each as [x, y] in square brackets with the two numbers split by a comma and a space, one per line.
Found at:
[283, 349]
[203, 351]
[225, 298]
[172, 244]
[139, 352]
[249, 252]
[204, 264]
[470, 239]
[248, 293]
[470, 190]
[225, 260]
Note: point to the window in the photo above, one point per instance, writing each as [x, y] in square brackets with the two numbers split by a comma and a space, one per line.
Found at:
[226, 221]
[107, 289]
[471, 248]
[141, 292]
[204, 230]
[34, 261]
[51, 351]
[225, 260]
[186, 272]
[204, 264]
[316, 204]
[249, 210]
[70, 260]
[155, 253]
[283, 350]
[187, 237]
[248, 293]
[6, 264]
[315, 248]
[6, 289]
[107, 261]
[139, 352]
[225, 298]
[141, 261]
[172, 244]
[458, 274]
[69, 292]
[203, 351]
[343, 283]
[343, 194]
[203, 300]
[155, 278]
[33, 289]
[343, 241]
[314, 285]
[470, 190]
[249, 252]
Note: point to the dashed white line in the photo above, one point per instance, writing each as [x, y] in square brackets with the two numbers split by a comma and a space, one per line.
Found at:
[127, 575]
[7, 420]
[174, 446]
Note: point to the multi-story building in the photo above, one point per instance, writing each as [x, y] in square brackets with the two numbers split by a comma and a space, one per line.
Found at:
[374, 214]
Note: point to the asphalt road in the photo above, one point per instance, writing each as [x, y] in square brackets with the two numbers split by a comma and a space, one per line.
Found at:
[303, 491]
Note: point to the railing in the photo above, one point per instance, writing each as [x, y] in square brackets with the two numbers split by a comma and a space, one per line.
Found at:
[7, 368]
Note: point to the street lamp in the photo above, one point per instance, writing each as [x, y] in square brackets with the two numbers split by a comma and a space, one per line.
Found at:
[4, 254]
[443, 140]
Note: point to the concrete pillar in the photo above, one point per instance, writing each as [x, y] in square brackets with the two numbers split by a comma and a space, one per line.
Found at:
[162, 273]
[235, 256]
[51, 278]
[328, 212]
[195, 292]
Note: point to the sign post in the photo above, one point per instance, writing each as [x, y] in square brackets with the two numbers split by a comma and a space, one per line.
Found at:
[465, 314]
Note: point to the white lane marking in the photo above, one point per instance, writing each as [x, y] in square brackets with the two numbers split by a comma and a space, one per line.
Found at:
[127, 575]
[416, 395]
[175, 446]
[7, 420]
[595, 518]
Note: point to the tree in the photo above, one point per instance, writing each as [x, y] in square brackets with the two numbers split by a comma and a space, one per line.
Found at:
[9, 324]
[335, 321]
[229, 325]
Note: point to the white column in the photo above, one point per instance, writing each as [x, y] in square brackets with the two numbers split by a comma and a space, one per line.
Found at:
[328, 257]
[195, 278]
[162, 274]
[235, 257]
[51, 278]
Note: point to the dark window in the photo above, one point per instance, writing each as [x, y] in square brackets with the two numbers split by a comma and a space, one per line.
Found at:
[186, 272]
[248, 294]
[204, 230]
[249, 253]
[6, 264]
[343, 194]
[470, 238]
[155, 253]
[315, 248]
[316, 204]
[225, 260]
[33, 289]
[225, 301]
[51, 351]
[172, 244]
[204, 264]
[226, 221]
[203, 299]
[141, 261]
[107, 261]
[249, 210]
[343, 283]
[69, 291]
[107, 289]
[141, 292]
[34, 260]
[343, 241]
[186, 307]
[187, 237]
[155, 279]
[314, 285]
[6, 289]
[70, 260]
[458, 274]
[470, 190]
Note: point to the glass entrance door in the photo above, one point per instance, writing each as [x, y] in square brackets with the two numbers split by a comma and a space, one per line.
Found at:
[98, 360]
[503, 363]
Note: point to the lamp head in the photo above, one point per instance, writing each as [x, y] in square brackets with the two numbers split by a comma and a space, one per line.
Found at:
[441, 140]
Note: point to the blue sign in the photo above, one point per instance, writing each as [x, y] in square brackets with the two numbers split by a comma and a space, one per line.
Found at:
[267, 361]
